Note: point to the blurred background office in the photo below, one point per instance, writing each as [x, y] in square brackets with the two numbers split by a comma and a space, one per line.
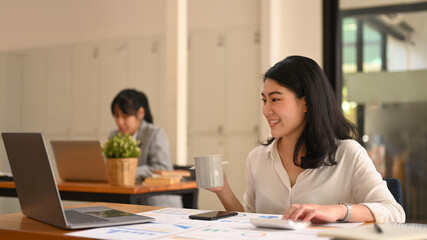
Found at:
[200, 62]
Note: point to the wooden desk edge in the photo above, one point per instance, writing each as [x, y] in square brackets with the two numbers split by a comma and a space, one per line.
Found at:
[137, 189]
[7, 184]
[106, 188]
[18, 226]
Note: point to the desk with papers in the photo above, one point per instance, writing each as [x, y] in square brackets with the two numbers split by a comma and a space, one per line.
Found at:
[170, 223]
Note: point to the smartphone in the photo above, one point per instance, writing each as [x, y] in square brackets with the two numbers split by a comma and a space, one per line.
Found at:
[213, 215]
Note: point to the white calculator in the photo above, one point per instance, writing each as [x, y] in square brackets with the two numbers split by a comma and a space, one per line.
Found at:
[278, 223]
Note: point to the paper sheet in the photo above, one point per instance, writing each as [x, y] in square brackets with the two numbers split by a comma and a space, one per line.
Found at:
[173, 223]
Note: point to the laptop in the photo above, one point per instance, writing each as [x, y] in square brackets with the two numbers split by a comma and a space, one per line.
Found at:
[79, 160]
[38, 193]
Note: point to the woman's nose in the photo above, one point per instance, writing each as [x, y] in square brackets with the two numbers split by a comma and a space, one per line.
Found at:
[266, 109]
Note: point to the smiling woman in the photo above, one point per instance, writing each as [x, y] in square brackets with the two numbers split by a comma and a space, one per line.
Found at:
[284, 111]
[310, 169]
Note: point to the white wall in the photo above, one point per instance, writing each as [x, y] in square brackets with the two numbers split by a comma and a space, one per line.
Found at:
[222, 93]
[301, 29]
[208, 14]
[39, 23]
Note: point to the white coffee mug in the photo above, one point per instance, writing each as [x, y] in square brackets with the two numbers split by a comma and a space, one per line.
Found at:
[209, 171]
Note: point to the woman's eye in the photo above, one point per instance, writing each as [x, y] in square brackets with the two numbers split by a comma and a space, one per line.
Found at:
[274, 100]
[263, 100]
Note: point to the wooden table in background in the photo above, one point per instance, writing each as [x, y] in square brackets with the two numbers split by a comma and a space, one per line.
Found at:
[103, 192]
[17, 226]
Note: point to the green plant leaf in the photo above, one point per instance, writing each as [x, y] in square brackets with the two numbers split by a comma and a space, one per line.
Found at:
[121, 146]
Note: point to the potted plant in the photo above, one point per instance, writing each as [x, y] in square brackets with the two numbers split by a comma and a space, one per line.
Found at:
[121, 152]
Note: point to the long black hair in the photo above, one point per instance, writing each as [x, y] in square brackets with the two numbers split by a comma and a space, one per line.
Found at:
[129, 101]
[325, 121]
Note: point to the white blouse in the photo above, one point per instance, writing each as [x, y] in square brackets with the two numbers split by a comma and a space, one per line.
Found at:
[353, 180]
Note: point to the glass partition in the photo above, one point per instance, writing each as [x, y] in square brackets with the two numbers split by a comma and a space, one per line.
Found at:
[384, 66]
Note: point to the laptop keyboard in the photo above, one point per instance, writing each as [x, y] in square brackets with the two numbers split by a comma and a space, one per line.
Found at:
[78, 217]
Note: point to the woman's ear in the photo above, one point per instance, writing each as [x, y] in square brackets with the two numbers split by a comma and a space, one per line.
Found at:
[141, 113]
[304, 104]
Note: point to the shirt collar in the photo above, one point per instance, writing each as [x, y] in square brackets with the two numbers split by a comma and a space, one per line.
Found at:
[142, 126]
[272, 151]
[135, 135]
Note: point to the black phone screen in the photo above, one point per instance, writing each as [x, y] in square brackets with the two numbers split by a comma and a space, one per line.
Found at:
[213, 215]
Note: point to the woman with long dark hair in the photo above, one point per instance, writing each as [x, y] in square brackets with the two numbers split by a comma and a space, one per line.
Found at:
[132, 114]
[312, 168]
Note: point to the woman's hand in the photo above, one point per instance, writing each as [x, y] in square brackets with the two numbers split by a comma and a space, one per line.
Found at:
[315, 213]
[227, 197]
[219, 190]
